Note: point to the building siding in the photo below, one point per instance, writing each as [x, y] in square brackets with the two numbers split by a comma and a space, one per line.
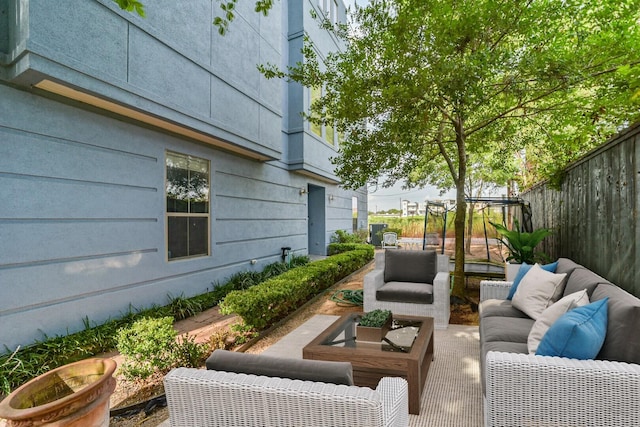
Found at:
[83, 214]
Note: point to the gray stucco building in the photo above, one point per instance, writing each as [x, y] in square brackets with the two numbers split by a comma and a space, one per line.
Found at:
[142, 157]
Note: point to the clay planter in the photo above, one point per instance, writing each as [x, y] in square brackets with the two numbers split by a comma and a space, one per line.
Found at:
[370, 334]
[74, 395]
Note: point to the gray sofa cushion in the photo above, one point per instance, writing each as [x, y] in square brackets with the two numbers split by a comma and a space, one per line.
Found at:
[622, 342]
[509, 329]
[499, 307]
[410, 266]
[421, 293]
[566, 265]
[582, 278]
[295, 369]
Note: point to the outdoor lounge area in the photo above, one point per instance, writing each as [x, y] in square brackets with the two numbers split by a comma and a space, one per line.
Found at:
[477, 376]
[300, 213]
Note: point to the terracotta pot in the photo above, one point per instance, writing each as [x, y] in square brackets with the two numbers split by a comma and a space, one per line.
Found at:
[72, 395]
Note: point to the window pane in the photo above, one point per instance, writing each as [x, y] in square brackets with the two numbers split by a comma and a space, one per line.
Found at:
[330, 135]
[316, 93]
[177, 237]
[199, 192]
[198, 236]
[177, 187]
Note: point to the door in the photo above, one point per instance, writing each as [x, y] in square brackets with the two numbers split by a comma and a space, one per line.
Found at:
[316, 220]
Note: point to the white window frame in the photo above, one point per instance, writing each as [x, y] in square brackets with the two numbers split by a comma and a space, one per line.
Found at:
[188, 214]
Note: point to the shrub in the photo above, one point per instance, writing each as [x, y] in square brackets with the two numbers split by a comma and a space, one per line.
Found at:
[341, 236]
[147, 347]
[338, 248]
[266, 303]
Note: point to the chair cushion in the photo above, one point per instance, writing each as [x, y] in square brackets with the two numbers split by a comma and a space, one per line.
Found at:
[295, 369]
[523, 270]
[537, 291]
[507, 329]
[553, 313]
[566, 265]
[622, 342]
[421, 293]
[499, 307]
[410, 266]
[578, 334]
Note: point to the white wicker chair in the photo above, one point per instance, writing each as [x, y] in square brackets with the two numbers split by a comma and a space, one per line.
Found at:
[214, 398]
[440, 308]
[530, 390]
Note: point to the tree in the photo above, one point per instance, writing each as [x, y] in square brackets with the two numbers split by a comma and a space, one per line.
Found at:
[426, 83]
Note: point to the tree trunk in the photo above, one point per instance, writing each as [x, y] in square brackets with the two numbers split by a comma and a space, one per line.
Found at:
[459, 289]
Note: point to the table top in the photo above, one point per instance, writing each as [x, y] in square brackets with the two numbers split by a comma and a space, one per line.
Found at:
[401, 339]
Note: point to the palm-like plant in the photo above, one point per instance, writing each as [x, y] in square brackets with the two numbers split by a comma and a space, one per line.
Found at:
[521, 245]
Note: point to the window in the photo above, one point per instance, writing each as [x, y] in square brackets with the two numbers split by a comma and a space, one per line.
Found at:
[316, 93]
[334, 11]
[187, 191]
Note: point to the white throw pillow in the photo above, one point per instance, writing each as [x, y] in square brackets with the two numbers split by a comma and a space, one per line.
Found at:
[538, 289]
[553, 313]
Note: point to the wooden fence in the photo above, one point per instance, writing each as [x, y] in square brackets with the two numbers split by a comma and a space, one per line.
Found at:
[595, 212]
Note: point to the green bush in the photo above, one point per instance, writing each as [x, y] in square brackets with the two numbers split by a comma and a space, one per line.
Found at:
[341, 236]
[338, 248]
[266, 303]
[147, 346]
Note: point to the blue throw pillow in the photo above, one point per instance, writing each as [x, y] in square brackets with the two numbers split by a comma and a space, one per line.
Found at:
[524, 269]
[578, 334]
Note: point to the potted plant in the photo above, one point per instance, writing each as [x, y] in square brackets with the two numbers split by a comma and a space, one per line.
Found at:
[374, 325]
[521, 246]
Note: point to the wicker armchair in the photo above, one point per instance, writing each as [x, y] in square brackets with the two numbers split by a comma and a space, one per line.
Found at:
[439, 308]
[216, 398]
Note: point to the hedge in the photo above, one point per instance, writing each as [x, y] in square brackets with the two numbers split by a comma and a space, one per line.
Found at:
[264, 304]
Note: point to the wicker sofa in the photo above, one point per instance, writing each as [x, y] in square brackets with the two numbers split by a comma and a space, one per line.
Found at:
[522, 389]
[413, 283]
[197, 397]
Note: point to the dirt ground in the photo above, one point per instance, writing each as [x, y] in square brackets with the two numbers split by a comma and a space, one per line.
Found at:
[462, 314]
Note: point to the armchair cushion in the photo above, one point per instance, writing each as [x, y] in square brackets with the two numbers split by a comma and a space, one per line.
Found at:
[295, 369]
[406, 292]
[410, 266]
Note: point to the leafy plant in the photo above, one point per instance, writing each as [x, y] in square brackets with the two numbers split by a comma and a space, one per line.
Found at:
[262, 305]
[341, 236]
[148, 347]
[189, 353]
[375, 318]
[521, 245]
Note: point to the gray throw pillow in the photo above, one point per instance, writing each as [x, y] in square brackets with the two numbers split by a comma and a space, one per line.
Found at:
[410, 266]
[295, 369]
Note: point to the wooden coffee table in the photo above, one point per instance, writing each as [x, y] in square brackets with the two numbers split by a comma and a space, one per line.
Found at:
[408, 355]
